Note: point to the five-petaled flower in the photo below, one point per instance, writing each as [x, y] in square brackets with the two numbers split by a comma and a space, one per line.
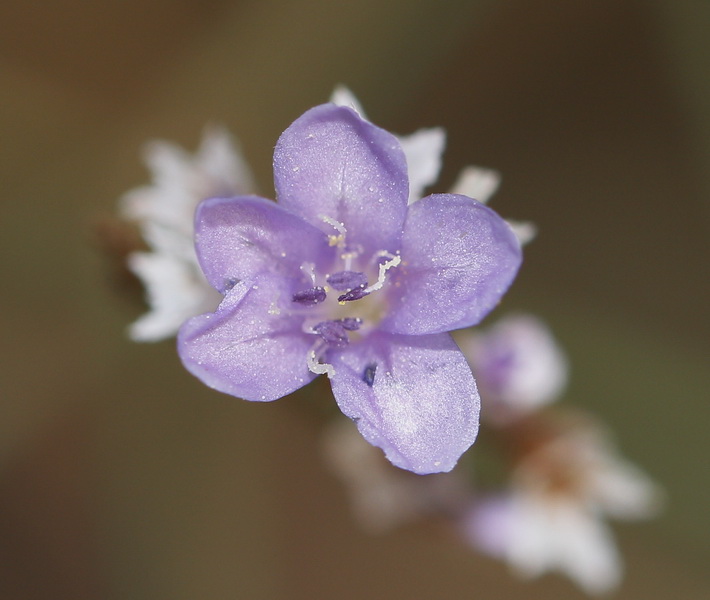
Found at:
[342, 277]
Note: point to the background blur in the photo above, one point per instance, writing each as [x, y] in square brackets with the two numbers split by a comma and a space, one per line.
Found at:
[123, 477]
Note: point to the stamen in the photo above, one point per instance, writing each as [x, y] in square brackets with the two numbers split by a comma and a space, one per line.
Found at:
[351, 323]
[335, 331]
[384, 267]
[335, 240]
[347, 280]
[311, 297]
[317, 367]
[332, 332]
[380, 254]
[347, 258]
[355, 294]
[337, 225]
[309, 269]
[368, 375]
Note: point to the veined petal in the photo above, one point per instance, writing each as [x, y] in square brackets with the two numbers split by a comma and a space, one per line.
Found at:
[239, 238]
[458, 259]
[331, 166]
[412, 396]
[480, 184]
[249, 348]
[423, 150]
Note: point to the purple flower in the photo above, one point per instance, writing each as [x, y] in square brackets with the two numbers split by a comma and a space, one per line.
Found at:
[342, 277]
[518, 365]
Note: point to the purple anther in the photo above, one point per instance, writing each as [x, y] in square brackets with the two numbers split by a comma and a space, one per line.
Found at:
[368, 375]
[311, 297]
[332, 332]
[347, 280]
[354, 294]
[351, 323]
[229, 284]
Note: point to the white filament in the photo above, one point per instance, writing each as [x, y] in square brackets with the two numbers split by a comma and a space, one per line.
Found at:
[384, 267]
[319, 368]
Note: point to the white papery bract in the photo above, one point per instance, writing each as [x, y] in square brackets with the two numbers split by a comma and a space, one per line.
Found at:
[164, 210]
[553, 515]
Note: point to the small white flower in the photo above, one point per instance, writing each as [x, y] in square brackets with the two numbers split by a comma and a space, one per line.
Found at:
[535, 535]
[383, 497]
[552, 517]
[164, 211]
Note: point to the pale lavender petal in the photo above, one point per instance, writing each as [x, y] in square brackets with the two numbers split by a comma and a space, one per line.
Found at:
[238, 238]
[517, 363]
[331, 165]
[422, 149]
[458, 259]
[412, 396]
[249, 348]
[488, 524]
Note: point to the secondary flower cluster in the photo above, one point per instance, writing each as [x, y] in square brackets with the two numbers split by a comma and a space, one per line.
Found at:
[559, 475]
[353, 275]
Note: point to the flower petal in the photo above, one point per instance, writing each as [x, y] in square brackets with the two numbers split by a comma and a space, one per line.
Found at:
[477, 183]
[622, 490]
[423, 150]
[331, 163]
[412, 396]
[525, 231]
[248, 348]
[238, 238]
[517, 363]
[563, 536]
[220, 158]
[458, 258]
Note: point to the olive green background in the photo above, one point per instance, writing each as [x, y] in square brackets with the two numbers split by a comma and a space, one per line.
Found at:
[123, 477]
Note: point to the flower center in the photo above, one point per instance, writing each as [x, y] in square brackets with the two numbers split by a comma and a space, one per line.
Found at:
[343, 302]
